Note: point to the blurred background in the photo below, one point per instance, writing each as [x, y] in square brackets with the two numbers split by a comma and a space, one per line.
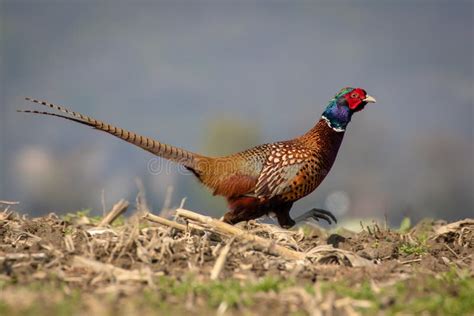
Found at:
[216, 77]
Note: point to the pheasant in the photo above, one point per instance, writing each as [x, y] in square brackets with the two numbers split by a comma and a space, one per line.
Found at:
[263, 180]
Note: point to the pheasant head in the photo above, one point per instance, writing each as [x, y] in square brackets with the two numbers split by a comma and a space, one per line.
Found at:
[345, 103]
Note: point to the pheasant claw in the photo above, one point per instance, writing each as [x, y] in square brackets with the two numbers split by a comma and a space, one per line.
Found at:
[317, 214]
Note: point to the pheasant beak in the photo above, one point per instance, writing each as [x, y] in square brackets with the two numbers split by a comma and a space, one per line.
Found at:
[369, 99]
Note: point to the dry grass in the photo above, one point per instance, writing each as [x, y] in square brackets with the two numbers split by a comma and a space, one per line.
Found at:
[196, 264]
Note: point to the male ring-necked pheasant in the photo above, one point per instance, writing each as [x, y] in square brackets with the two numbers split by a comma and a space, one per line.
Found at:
[265, 179]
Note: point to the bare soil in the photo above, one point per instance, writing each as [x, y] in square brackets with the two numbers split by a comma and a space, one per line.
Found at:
[68, 265]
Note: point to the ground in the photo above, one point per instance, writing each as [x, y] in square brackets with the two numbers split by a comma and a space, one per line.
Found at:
[76, 265]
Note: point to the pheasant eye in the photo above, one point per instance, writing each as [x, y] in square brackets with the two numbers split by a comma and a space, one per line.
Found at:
[354, 95]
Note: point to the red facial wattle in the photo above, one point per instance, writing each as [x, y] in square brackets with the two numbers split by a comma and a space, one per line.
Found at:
[355, 98]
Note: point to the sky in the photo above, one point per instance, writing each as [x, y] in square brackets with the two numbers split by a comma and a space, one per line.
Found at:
[239, 73]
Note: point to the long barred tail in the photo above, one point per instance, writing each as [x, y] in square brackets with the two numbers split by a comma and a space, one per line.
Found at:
[184, 157]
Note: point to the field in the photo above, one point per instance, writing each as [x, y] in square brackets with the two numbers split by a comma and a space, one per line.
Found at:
[144, 264]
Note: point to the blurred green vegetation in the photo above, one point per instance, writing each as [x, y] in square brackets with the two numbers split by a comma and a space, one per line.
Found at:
[449, 293]
[225, 135]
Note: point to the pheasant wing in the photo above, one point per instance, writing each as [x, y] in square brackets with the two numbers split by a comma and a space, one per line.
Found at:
[281, 169]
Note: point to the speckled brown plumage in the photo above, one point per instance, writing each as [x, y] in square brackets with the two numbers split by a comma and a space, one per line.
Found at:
[261, 180]
[279, 174]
